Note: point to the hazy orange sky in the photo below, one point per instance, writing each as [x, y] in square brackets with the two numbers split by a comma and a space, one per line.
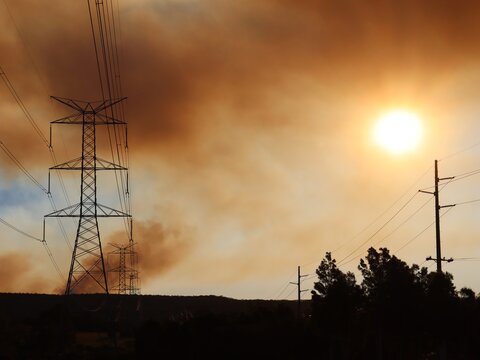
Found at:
[250, 127]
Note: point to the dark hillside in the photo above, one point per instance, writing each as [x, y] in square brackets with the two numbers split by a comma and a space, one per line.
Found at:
[41, 326]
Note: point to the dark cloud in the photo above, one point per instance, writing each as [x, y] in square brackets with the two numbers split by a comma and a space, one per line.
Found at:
[180, 61]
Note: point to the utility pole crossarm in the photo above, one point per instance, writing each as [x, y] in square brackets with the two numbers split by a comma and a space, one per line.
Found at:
[426, 192]
[447, 206]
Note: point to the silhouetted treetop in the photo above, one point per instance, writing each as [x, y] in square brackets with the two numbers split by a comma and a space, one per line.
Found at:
[331, 279]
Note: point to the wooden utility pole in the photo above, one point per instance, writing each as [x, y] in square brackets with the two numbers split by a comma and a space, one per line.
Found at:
[299, 292]
[438, 258]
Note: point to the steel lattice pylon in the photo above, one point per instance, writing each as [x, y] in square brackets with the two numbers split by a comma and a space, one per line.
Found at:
[123, 270]
[87, 266]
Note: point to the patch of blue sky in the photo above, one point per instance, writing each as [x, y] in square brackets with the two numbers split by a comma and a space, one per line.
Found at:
[18, 194]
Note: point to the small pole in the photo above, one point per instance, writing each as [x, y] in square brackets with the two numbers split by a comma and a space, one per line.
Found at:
[437, 180]
[437, 221]
[299, 292]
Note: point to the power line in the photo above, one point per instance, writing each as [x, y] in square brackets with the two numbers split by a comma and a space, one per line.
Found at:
[290, 293]
[96, 50]
[394, 230]
[52, 259]
[37, 183]
[22, 106]
[403, 222]
[283, 288]
[380, 215]
[414, 238]
[385, 211]
[467, 259]
[4, 222]
[21, 167]
[35, 126]
[421, 232]
[44, 243]
[468, 202]
[30, 176]
[343, 260]
[22, 38]
[39, 132]
[466, 175]
[376, 232]
[108, 67]
[468, 148]
[109, 74]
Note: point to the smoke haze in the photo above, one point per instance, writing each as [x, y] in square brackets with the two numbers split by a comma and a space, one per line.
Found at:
[249, 123]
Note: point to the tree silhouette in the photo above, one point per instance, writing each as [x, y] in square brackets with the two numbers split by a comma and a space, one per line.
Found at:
[394, 293]
[335, 299]
[397, 312]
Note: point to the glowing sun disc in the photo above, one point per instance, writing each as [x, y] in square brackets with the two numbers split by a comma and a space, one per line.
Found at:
[398, 131]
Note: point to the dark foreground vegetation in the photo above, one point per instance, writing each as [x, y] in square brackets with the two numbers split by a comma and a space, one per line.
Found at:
[397, 311]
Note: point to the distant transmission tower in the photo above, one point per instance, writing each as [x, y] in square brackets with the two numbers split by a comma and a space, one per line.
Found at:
[124, 271]
[87, 268]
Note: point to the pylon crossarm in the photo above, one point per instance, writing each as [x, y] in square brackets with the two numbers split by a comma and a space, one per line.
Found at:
[105, 211]
[80, 119]
[69, 211]
[107, 165]
[102, 211]
[108, 120]
[76, 164]
[107, 103]
[74, 104]
[119, 269]
[121, 247]
[70, 119]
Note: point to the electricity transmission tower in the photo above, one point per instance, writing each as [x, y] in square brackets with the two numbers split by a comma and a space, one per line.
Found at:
[87, 269]
[123, 270]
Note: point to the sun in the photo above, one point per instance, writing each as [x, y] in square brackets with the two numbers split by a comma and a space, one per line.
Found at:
[398, 131]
